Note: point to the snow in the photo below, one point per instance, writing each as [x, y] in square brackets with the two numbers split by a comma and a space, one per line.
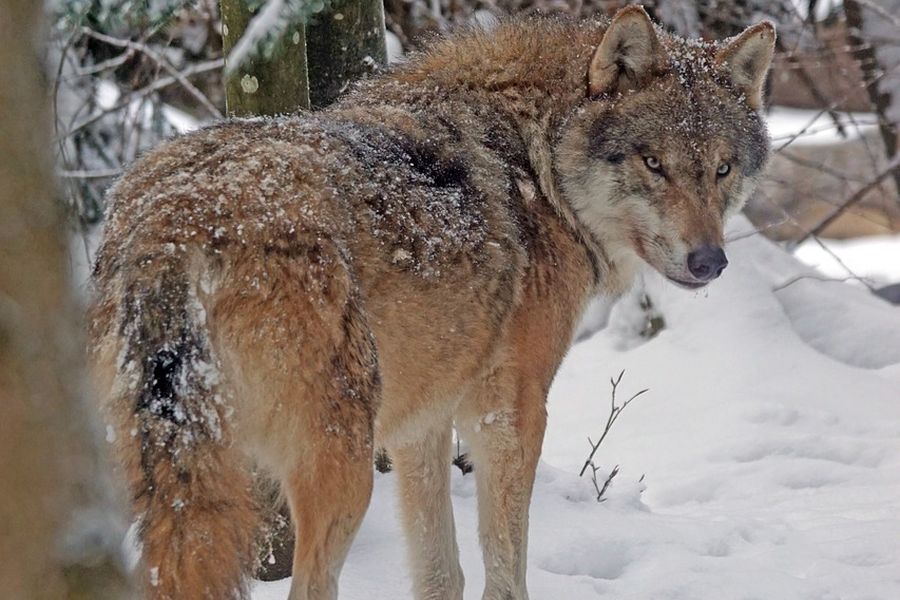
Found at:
[768, 445]
[801, 7]
[875, 258]
[108, 95]
[849, 308]
[814, 127]
[271, 18]
[393, 46]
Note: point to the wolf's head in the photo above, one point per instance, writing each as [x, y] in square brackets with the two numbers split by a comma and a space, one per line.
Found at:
[668, 144]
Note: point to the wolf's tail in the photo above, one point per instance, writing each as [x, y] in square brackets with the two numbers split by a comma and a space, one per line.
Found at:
[191, 490]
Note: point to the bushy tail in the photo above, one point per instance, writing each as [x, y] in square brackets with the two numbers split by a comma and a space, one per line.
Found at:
[190, 488]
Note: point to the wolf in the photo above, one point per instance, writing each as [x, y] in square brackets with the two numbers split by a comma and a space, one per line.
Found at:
[287, 294]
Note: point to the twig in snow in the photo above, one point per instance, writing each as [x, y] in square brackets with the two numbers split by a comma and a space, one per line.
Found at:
[602, 489]
[461, 460]
[383, 463]
[614, 413]
[794, 280]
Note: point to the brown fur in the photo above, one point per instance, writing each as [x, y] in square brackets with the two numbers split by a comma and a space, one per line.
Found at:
[284, 292]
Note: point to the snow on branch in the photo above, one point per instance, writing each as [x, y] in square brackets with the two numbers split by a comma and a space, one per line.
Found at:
[268, 26]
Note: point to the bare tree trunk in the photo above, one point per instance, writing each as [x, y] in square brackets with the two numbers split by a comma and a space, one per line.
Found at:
[60, 528]
[864, 25]
[343, 43]
[264, 86]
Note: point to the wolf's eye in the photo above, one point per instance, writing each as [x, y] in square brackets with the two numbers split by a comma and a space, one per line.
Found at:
[652, 163]
[723, 170]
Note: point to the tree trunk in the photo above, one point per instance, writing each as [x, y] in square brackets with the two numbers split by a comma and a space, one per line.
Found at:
[879, 65]
[264, 86]
[343, 43]
[60, 529]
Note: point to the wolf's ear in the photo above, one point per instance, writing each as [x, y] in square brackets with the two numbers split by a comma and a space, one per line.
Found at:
[747, 58]
[628, 55]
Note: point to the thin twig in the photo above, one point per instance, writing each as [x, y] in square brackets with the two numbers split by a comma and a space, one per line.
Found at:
[822, 278]
[831, 107]
[854, 199]
[609, 478]
[106, 65]
[92, 174]
[161, 83]
[819, 166]
[77, 199]
[614, 413]
[161, 61]
[811, 86]
[759, 230]
[880, 11]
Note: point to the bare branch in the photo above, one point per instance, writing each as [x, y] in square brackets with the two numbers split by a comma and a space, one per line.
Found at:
[93, 174]
[159, 60]
[830, 108]
[161, 83]
[614, 413]
[602, 489]
[106, 65]
[861, 193]
[822, 278]
[880, 11]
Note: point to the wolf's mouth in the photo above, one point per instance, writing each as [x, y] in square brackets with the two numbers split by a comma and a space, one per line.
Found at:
[688, 285]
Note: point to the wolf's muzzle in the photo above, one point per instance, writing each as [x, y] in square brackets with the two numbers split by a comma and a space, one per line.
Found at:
[707, 262]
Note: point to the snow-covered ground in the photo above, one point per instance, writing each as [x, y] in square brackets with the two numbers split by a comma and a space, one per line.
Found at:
[769, 445]
[875, 258]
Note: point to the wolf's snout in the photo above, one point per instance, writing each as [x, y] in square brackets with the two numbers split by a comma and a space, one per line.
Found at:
[707, 262]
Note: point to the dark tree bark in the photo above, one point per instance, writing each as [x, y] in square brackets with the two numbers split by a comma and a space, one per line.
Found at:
[857, 14]
[344, 43]
[277, 558]
[60, 529]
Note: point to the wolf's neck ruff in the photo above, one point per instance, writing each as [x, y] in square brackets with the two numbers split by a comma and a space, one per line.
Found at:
[534, 73]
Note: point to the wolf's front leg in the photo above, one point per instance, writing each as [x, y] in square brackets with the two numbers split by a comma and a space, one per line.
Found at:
[423, 471]
[504, 425]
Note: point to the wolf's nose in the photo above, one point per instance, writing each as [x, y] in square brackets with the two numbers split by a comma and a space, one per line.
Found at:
[707, 262]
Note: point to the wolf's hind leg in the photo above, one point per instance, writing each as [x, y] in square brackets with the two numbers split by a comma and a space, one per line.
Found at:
[423, 471]
[309, 386]
[328, 496]
[330, 485]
